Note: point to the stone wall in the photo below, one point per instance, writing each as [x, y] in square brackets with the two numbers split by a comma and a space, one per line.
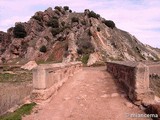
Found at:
[48, 78]
[154, 77]
[134, 77]
[12, 94]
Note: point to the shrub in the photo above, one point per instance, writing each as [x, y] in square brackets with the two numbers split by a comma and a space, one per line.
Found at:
[75, 19]
[19, 31]
[89, 33]
[43, 49]
[53, 23]
[66, 8]
[98, 29]
[70, 11]
[55, 31]
[85, 58]
[57, 8]
[109, 23]
[93, 14]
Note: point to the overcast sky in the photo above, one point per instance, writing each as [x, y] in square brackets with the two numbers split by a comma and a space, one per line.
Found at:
[139, 17]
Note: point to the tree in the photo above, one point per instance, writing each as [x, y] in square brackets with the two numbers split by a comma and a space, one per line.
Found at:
[19, 31]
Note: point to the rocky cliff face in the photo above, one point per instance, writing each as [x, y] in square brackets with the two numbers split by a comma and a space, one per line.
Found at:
[61, 35]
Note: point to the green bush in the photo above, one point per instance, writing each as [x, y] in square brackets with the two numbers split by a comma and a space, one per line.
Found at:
[75, 19]
[53, 23]
[109, 23]
[43, 49]
[93, 14]
[19, 31]
[85, 58]
[66, 8]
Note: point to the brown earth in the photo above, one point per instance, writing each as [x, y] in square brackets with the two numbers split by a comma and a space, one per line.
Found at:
[91, 94]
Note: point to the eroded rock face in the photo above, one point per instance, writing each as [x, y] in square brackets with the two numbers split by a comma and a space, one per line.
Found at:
[93, 58]
[77, 34]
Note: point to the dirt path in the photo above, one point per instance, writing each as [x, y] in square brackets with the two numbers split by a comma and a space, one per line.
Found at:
[90, 95]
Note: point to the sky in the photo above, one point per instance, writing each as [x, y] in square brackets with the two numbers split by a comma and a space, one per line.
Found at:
[140, 18]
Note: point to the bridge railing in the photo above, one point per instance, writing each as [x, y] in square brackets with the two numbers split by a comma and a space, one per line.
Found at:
[134, 77]
[47, 78]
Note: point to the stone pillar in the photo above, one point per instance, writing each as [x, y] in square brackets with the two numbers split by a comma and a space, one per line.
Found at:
[141, 91]
[39, 78]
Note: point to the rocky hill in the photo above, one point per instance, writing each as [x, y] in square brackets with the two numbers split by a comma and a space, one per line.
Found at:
[61, 35]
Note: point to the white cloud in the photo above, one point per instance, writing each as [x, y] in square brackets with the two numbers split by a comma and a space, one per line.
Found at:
[140, 18]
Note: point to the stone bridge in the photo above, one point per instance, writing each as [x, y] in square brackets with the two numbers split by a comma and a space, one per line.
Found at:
[117, 91]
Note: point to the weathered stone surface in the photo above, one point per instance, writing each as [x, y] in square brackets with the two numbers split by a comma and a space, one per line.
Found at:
[129, 104]
[30, 65]
[85, 35]
[48, 78]
[114, 95]
[134, 77]
[93, 58]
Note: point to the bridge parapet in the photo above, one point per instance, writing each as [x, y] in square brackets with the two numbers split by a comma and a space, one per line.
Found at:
[47, 78]
[134, 76]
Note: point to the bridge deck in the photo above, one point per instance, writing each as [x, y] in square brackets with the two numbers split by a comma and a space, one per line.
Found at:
[90, 95]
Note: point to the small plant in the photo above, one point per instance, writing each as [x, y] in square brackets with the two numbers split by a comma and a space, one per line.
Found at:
[43, 49]
[70, 11]
[66, 8]
[19, 31]
[75, 19]
[109, 23]
[85, 58]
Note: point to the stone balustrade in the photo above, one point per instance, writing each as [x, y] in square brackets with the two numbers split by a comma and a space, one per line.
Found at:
[134, 77]
[47, 78]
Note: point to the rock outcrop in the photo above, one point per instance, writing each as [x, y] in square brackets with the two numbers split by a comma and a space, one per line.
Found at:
[60, 35]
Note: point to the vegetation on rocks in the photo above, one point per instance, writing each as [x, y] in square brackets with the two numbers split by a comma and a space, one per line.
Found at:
[53, 23]
[85, 58]
[93, 14]
[85, 33]
[43, 49]
[66, 8]
[19, 31]
[109, 23]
